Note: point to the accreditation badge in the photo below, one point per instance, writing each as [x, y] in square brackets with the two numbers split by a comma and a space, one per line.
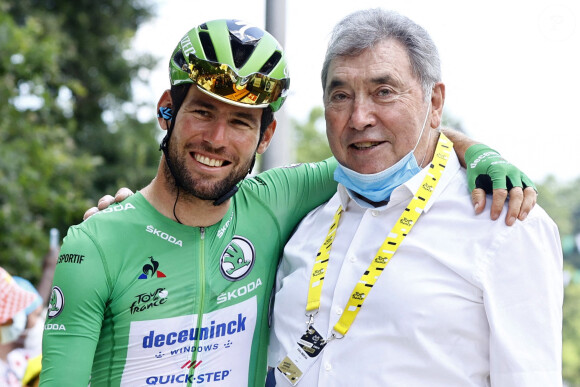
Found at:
[302, 356]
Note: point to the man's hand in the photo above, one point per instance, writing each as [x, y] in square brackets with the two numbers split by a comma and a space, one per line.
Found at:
[489, 173]
[107, 200]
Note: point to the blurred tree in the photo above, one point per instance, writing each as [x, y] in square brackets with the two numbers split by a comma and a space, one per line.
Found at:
[571, 335]
[562, 202]
[66, 135]
[96, 73]
[310, 137]
[448, 121]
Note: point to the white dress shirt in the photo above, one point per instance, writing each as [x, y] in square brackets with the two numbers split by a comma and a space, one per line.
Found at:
[465, 301]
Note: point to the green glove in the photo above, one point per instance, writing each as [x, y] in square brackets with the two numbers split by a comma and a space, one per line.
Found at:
[486, 169]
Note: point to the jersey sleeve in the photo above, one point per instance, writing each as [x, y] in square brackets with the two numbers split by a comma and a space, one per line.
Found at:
[292, 192]
[75, 312]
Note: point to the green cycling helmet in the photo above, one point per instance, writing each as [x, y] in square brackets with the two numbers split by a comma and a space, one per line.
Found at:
[234, 62]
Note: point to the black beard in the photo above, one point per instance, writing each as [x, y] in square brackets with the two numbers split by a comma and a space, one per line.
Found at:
[176, 170]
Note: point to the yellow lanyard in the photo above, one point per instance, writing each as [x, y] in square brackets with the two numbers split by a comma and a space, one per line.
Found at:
[385, 252]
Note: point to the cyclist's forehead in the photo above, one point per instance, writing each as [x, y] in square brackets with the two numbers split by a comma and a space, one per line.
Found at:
[197, 98]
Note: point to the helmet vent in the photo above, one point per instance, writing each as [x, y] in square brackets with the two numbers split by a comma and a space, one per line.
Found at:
[241, 51]
[179, 59]
[271, 63]
[208, 47]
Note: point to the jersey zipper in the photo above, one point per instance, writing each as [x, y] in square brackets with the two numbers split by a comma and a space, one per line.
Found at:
[201, 287]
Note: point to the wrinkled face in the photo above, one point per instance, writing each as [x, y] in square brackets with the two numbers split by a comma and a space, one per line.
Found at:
[213, 144]
[374, 108]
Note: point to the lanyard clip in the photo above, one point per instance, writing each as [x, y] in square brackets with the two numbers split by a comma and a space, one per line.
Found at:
[333, 336]
[310, 321]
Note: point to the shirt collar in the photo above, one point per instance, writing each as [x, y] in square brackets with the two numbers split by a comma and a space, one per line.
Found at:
[344, 196]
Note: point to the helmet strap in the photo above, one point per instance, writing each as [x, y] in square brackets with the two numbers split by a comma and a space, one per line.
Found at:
[234, 189]
[226, 196]
[177, 100]
[164, 147]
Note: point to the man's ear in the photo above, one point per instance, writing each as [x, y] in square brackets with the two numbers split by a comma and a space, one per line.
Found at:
[267, 137]
[164, 112]
[437, 101]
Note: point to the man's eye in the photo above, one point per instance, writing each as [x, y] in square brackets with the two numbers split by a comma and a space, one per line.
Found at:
[384, 92]
[241, 124]
[201, 113]
[339, 97]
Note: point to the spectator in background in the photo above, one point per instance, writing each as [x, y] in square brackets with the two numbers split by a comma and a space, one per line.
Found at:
[31, 339]
[16, 303]
[21, 345]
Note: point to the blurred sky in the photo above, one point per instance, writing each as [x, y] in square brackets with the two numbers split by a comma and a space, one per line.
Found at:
[511, 67]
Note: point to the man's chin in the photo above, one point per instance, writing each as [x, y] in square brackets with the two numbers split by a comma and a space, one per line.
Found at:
[209, 193]
[206, 188]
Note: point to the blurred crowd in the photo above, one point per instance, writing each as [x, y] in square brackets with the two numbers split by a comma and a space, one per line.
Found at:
[22, 315]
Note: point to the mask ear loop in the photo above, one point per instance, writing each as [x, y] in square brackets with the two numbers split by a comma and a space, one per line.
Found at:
[425, 154]
[423, 129]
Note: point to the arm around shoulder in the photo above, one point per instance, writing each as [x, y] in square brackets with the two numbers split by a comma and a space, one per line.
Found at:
[291, 192]
[489, 173]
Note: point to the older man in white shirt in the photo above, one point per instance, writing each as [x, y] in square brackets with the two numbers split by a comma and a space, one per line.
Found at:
[391, 299]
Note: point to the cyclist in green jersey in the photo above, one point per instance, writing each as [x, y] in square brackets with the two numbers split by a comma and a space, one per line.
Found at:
[172, 286]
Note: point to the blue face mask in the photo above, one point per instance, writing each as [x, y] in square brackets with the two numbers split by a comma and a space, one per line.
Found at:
[378, 187]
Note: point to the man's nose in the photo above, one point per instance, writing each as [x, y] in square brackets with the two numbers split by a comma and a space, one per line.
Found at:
[217, 134]
[362, 115]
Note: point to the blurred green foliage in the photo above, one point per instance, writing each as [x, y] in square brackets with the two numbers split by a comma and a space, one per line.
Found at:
[562, 202]
[571, 335]
[310, 137]
[64, 66]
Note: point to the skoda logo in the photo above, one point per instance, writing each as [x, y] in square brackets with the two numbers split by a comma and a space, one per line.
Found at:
[237, 259]
[56, 304]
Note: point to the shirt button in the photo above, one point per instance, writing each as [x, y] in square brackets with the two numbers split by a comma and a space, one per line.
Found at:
[327, 366]
[352, 258]
[338, 310]
[375, 213]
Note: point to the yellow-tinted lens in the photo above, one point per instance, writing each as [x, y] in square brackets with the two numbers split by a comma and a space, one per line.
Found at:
[256, 90]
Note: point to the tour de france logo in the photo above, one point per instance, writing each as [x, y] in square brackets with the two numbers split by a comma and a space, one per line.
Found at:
[56, 304]
[238, 258]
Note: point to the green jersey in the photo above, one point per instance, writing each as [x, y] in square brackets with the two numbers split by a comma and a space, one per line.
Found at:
[139, 299]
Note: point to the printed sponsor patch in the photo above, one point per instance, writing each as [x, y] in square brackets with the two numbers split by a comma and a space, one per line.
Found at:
[237, 259]
[176, 350]
[149, 300]
[151, 270]
[56, 304]
[70, 258]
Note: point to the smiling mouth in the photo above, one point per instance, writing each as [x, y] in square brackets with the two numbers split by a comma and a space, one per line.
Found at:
[209, 161]
[365, 145]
